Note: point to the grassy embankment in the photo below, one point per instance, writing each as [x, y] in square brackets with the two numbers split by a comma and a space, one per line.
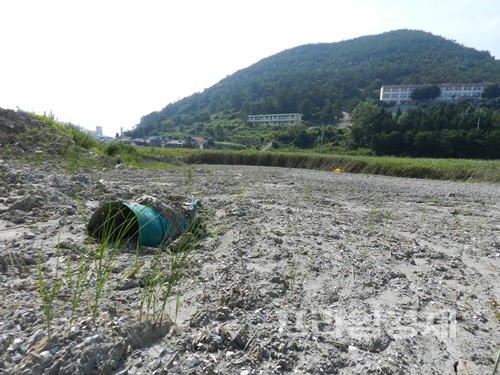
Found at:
[441, 169]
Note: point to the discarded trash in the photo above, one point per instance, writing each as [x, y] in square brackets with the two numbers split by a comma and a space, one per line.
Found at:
[337, 170]
[150, 223]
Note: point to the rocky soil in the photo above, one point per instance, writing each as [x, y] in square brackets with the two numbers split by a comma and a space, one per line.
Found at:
[304, 272]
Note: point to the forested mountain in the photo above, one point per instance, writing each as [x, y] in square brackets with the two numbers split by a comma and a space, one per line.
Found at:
[321, 80]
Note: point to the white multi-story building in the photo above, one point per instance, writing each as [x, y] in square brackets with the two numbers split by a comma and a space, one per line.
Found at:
[449, 91]
[276, 119]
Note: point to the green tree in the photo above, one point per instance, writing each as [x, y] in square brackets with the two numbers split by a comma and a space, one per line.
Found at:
[368, 119]
[203, 117]
[409, 143]
[219, 133]
[301, 138]
[362, 122]
[387, 143]
[426, 92]
[453, 143]
[475, 144]
[328, 114]
[492, 140]
[307, 109]
[166, 125]
[491, 91]
[426, 143]
[236, 100]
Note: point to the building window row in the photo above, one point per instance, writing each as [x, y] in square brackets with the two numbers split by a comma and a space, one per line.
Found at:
[462, 88]
[277, 119]
[399, 89]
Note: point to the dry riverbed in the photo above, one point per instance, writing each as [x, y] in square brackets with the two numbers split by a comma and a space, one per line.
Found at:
[305, 272]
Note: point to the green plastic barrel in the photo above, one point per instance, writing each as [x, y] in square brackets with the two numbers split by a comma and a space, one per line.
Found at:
[119, 222]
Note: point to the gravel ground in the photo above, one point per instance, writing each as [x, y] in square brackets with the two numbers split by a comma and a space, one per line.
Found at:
[305, 272]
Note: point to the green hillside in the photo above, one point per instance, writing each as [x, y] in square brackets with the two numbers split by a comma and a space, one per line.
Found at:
[320, 81]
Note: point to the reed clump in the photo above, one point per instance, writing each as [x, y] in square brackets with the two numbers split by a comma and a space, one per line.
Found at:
[426, 168]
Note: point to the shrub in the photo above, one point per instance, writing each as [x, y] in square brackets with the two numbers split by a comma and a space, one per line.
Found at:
[82, 139]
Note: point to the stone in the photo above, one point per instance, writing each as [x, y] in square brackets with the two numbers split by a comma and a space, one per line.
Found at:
[193, 362]
[16, 344]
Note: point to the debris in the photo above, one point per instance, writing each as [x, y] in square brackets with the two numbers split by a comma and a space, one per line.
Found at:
[149, 225]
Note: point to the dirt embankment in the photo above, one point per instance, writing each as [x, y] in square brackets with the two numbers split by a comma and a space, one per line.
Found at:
[21, 135]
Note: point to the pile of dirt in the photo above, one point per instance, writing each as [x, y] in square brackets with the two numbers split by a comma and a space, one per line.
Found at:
[22, 135]
[306, 272]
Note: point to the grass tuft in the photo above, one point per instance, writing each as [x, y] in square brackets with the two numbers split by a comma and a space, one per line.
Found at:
[48, 293]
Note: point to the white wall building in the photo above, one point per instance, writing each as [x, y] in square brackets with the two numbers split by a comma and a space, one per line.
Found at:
[449, 91]
[276, 119]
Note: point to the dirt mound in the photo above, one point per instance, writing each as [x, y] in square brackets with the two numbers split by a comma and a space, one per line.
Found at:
[22, 135]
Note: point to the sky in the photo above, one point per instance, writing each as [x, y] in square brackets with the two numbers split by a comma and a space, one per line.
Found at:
[109, 62]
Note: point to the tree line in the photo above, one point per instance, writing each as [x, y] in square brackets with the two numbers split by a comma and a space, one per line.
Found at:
[448, 130]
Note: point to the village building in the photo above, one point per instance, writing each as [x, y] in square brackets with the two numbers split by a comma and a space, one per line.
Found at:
[275, 119]
[449, 92]
[195, 142]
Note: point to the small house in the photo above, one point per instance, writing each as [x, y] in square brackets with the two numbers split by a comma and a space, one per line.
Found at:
[195, 142]
[155, 141]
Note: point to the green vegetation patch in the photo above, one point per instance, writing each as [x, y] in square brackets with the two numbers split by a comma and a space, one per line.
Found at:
[441, 169]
